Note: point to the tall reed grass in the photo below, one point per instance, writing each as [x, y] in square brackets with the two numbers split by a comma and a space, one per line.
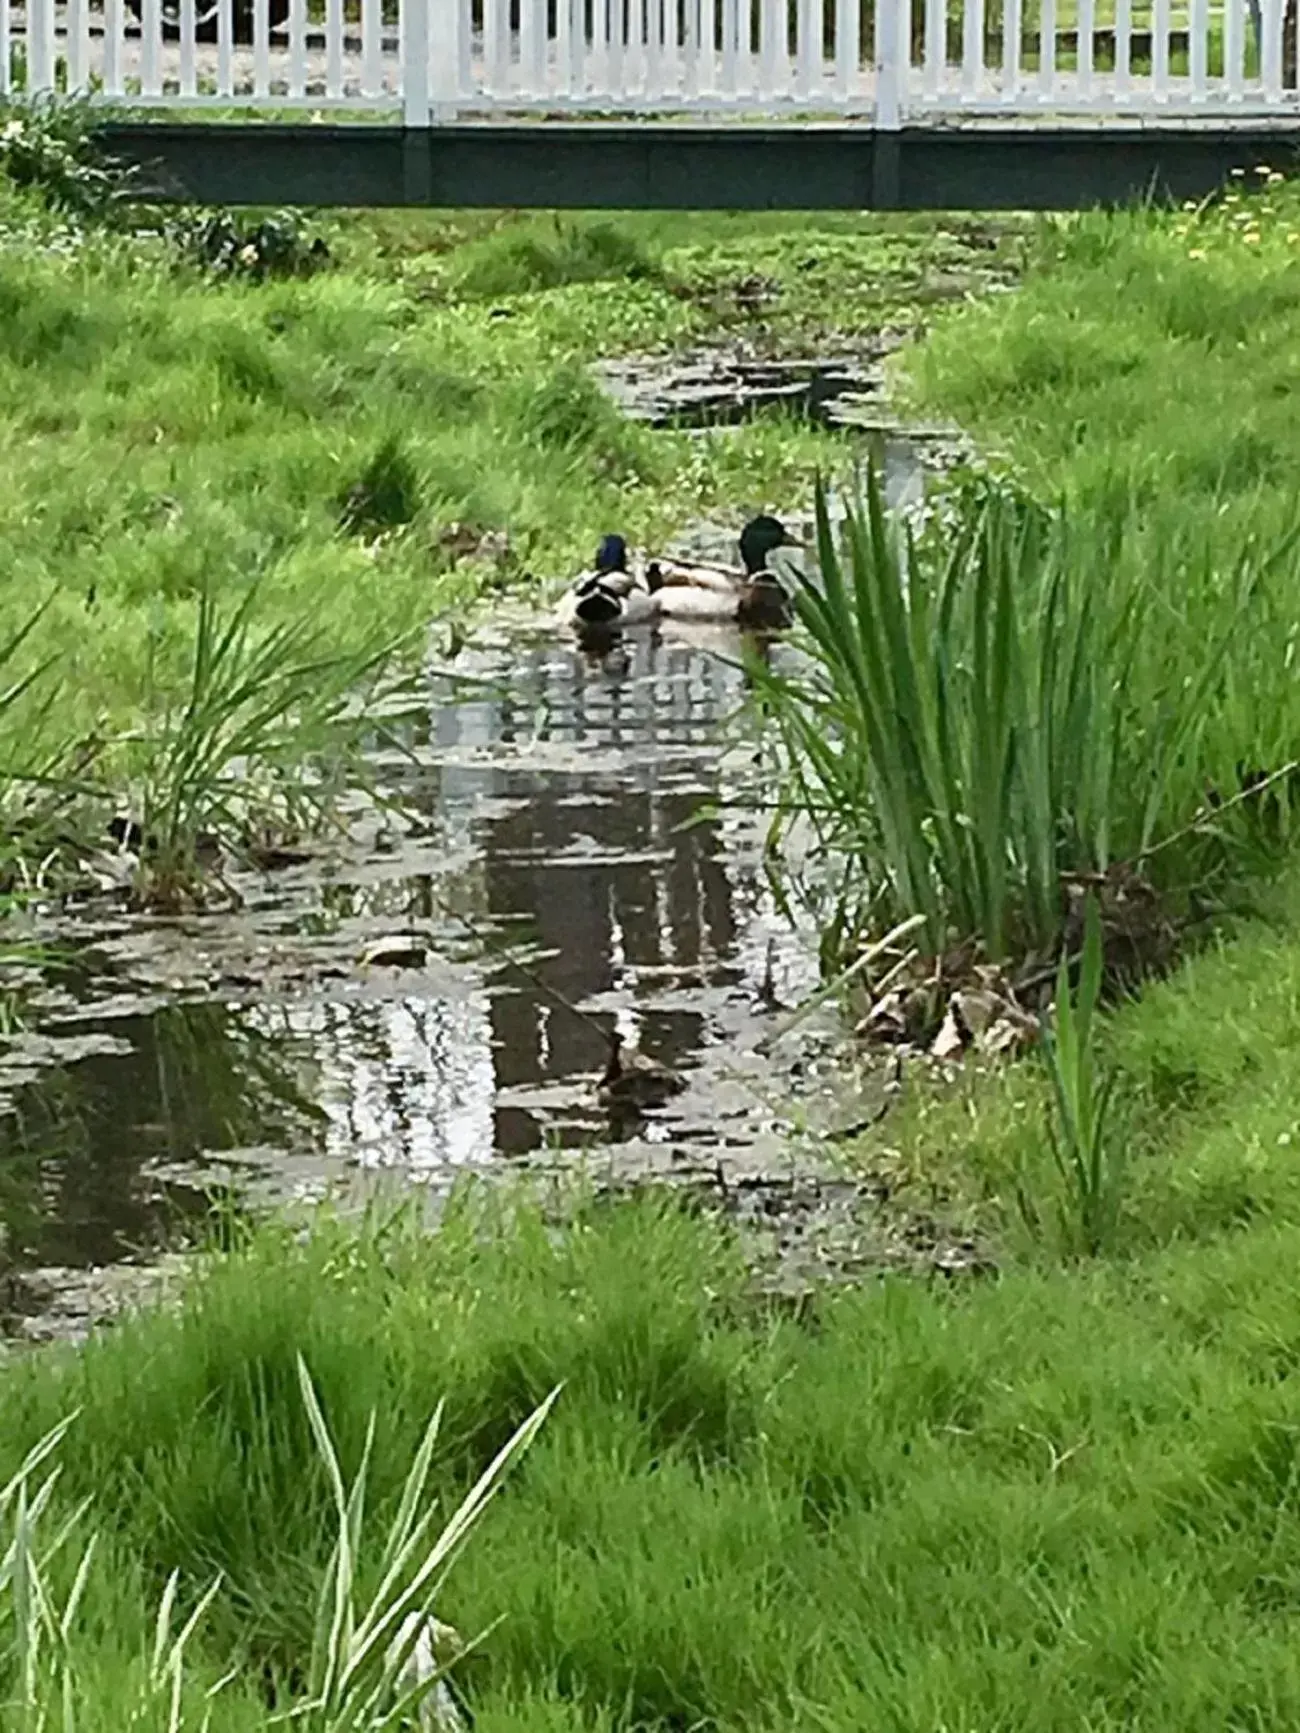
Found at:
[1087, 1145]
[375, 1660]
[1005, 697]
[264, 734]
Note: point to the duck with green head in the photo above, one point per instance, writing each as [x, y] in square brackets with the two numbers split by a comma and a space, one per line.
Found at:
[611, 594]
[756, 596]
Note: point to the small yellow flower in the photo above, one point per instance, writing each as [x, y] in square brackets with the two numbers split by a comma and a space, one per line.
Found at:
[1196, 253]
[1251, 237]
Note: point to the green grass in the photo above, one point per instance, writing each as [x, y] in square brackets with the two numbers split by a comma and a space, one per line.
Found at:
[168, 436]
[1149, 357]
[1060, 1497]
[1056, 1499]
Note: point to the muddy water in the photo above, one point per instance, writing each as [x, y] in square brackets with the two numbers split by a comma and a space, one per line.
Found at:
[361, 1014]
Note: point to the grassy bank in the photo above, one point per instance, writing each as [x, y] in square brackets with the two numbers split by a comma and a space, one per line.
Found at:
[1147, 357]
[164, 430]
[1057, 1499]
[363, 448]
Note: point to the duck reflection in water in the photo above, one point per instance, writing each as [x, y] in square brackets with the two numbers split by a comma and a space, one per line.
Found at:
[605, 648]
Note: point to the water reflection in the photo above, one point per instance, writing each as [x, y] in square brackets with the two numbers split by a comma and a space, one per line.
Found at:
[89, 1152]
[559, 792]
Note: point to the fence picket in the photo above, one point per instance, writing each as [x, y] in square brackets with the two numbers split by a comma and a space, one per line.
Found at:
[1046, 50]
[972, 48]
[1160, 49]
[730, 34]
[297, 48]
[532, 46]
[692, 59]
[812, 34]
[78, 45]
[41, 56]
[1012, 29]
[496, 46]
[936, 47]
[371, 62]
[1234, 48]
[1123, 49]
[654, 47]
[188, 27]
[848, 47]
[563, 82]
[334, 48]
[1198, 49]
[261, 48]
[150, 46]
[1084, 52]
[225, 55]
[893, 52]
[772, 49]
[415, 62]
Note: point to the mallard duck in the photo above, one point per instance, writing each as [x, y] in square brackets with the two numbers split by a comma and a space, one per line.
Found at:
[632, 1080]
[754, 595]
[610, 594]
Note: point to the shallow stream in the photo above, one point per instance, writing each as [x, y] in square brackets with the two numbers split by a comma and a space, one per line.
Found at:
[359, 1016]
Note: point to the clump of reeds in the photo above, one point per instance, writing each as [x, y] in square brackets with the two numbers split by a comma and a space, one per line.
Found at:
[264, 732]
[989, 707]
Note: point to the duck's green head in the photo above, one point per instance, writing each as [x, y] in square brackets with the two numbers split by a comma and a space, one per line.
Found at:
[760, 538]
[611, 555]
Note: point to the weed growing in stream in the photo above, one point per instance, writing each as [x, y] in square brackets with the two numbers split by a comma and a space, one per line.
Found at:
[266, 737]
[1011, 699]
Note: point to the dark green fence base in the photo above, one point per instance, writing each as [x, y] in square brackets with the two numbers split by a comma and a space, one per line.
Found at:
[642, 165]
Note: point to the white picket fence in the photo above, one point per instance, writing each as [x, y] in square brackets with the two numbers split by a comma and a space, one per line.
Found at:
[886, 61]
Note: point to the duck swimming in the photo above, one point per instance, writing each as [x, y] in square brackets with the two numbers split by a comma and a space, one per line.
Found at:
[754, 596]
[610, 594]
[631, 1081]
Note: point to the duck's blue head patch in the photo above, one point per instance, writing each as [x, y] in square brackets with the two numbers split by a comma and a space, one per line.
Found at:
[611, 555]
